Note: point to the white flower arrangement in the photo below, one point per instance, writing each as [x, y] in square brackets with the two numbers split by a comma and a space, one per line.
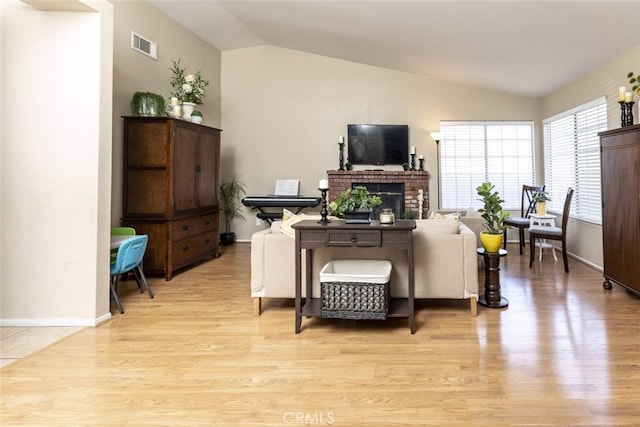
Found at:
[189, 88]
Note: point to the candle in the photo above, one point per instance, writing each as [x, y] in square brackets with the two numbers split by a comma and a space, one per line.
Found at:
[176, 111]
[413, 150]
[323, 184]
[421, 157]
[628, 96]
[174, 101]
[621, 92]
[341, 139]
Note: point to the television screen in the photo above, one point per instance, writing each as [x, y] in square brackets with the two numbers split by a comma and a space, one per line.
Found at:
[377, 144]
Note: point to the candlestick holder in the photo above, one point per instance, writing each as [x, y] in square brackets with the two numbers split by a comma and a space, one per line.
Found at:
[413, 162]
[421, 167]
[629, 113]
[324, 211]
[623, 113]
[341, 157]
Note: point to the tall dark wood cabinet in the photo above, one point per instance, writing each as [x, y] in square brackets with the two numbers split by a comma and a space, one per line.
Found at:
[620, 170]
[171, 190]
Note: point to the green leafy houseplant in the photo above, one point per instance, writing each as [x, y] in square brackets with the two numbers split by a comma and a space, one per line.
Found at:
[353, 199]
[147, 104]
[634, 79]
[196, 113]
[187, 88]
[231, 192]
[541, 196]
[492, 211]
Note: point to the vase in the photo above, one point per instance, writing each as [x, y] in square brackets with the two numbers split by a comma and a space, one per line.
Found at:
[491, 242]
[196, 119]
[187, 109]
[541, 208]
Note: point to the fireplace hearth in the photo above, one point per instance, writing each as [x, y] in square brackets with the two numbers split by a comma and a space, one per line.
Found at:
[387, 184]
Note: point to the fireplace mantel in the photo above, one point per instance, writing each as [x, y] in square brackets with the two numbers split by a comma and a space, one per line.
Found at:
[413, 181]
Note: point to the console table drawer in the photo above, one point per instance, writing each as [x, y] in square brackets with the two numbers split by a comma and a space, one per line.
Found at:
[354, 238]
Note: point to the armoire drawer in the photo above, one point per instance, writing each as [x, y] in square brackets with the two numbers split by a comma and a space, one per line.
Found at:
[195, 245]
[188, 227]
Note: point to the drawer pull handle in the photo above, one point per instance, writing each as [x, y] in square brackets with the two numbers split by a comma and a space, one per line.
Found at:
[185, 248]
[207, 241]
[185, 227]
[207, 222]
[354, 238]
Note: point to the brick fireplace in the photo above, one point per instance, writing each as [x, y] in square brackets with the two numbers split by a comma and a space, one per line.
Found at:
[413, 181]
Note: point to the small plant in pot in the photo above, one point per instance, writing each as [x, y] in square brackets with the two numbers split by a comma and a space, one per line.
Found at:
[541, 198]
[231, 192]
[196, 116]
[355, 205]
[494, 217]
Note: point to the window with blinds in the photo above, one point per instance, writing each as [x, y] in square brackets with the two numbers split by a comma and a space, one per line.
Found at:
[572, 159]
[474, 152]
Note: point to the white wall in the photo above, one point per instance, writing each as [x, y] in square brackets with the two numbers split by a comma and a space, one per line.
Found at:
[56, 165]
[283, 110]
[585, 239]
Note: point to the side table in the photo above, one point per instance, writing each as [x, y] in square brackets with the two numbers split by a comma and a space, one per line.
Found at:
[492, 297]
[545, 220]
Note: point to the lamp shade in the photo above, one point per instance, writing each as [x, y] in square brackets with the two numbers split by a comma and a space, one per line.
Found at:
[437, 136]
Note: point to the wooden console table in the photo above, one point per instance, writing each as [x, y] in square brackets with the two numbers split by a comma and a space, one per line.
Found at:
[312, 234]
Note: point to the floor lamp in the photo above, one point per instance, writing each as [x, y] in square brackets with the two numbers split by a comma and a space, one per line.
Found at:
[437, 136]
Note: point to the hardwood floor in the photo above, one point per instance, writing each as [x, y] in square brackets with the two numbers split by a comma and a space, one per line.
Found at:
[565, 352]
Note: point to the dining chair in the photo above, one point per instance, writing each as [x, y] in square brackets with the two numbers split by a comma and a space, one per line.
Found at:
[552, 233]
[527, 207]
[128, 259]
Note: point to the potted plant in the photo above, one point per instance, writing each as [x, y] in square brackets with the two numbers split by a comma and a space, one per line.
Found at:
[187, 88]
[355, 205]
[196, 116]
[540, 199]
[147, 104]
[231, 192]
[494, 217]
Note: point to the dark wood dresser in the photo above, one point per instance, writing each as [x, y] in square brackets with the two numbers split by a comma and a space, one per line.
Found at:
[620, 171]
[171, 190]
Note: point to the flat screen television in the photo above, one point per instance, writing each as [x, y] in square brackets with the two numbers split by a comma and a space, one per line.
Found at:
[377, 144]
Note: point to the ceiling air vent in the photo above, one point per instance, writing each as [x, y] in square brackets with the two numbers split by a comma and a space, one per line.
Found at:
[143, 45]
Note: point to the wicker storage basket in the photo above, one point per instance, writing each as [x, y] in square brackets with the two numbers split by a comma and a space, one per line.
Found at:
[355, 289]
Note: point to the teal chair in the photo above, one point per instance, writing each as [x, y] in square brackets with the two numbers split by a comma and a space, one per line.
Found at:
[128, 259]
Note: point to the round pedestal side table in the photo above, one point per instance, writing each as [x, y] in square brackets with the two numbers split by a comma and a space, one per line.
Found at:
[492, 297]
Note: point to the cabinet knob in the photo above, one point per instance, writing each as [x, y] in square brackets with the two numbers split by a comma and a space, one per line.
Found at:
[198, 168]
[185, 248]
[354, 238]
[207, 241]
[185, 227]
[207, 222]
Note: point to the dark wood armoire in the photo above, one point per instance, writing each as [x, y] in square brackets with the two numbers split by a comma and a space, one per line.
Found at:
[171, 190]
[620, 171]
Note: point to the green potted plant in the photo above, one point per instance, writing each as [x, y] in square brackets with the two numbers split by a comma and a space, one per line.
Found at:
[196, 116]
[540, 199]
[494, 217]
[355, 205]
[231, 192]
[147, 104]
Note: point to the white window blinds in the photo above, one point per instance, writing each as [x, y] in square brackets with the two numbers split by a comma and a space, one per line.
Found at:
[572, 159]
[474, 152]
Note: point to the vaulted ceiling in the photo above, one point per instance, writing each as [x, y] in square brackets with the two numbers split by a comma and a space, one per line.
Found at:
[529, 48]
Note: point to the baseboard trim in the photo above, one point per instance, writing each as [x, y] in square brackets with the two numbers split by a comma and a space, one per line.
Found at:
[54, 322]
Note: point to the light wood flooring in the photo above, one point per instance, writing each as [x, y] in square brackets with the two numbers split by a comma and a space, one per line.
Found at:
[565, 352]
